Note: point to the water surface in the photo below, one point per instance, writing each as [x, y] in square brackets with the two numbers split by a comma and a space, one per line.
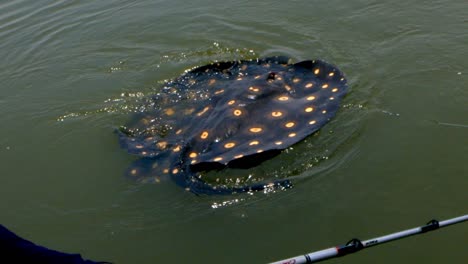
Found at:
[393, 158]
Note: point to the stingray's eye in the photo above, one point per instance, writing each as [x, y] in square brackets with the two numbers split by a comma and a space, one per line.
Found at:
[271, 76]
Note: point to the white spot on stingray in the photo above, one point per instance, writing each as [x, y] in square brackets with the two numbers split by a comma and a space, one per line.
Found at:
[276, 113]
[255, 129]
[289, 124]
[204, 135]
[254, 89]
[253, 143]
[229, 145]
[203, 111]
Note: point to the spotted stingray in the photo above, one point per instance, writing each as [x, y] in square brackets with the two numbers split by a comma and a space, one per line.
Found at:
[231, 114]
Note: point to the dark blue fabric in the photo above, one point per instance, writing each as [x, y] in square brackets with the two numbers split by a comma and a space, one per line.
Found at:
[14, 249]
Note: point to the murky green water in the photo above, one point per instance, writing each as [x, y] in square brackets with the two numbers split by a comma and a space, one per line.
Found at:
[393, 158]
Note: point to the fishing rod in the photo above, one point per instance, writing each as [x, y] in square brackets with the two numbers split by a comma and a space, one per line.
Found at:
[354, 245]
